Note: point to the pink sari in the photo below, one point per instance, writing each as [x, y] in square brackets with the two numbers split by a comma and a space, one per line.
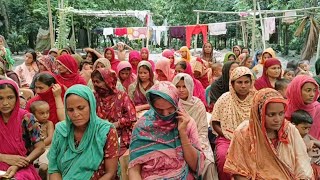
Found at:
[146, 50]
[134, 59]
[12, 141]
[164, 66]
[132, 77]
[113, 61]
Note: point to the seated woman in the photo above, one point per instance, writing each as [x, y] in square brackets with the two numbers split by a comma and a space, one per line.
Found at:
[207, 54]
[47, 63]
[271, 73]
[197, 110]
[302, 94]
[134, 60]
[49, 89]
[202, 73]
[266, 54]
[144, 53]
[230, 56]
[167, 53]
[221, 85]
[68, 73]
[114, 105]
[198, 91]
[101, 63]
[165, 142]
[27, 69]
[19, 136]
[163, 70]
[124, 72]
[185, 54]
[268, 146]
[83, 137]
[138, 89]
[110, 55]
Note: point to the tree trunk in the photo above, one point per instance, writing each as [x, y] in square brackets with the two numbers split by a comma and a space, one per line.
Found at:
[5, 16]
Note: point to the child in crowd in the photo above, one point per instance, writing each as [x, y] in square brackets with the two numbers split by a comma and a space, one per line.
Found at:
[23, 102]
[288, 74]
[41, 110]
[281, 86]
[86, 70]
[121, 50]
[304, 65]
[216, 71]
[303, 122]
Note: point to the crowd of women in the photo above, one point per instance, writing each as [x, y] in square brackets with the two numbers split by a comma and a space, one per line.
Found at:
[65, 116]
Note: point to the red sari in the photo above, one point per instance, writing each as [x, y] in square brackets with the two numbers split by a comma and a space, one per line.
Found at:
[116, 106]
[49, 98]
[74, 77]
[134, 60]
[263, 81]
[146, 50]
[12, 137]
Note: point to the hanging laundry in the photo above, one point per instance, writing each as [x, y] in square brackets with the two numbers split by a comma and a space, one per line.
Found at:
[269, 27]
[196, 29]
[157, 30]
[107, 31]
[137, 33]
[216, 29]
[288, 17]
[178, 32]
[120, 31]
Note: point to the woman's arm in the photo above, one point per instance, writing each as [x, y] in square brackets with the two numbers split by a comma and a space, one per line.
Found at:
[57, 90]
[142, 107]
[216, 126]
[128, 112]
[55, 176]
[50, 131]
[128, 47]
[111, 166]
[135, 172]
[94, 51]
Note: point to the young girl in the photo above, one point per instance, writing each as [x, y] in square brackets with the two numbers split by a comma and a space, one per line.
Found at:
[288, 74]
[27, 69]
[41, 110]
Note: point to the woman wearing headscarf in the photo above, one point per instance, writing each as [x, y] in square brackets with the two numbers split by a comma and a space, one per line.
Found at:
[257, 58]
[167, 53]
[271, 73]
[236, 50]
[198, 91]
[185, 54]
[163, 70]
[231, 109]
[317, 77]
[221, 85]
[50, 90]
[20, 137]
[124, 72]
[137, 90]
[268, 146]
[165, 142]
[114, 105]
[47, 63]
[245, 60]
[110, 55]
[134, 60]
[27, 69]
[202, 73]
[101, 63]
[266, 54]
[302, 94]
[230, 56]
[5, 54]
[68, 74]
[83, 146]
[197, 110]
[144, 53]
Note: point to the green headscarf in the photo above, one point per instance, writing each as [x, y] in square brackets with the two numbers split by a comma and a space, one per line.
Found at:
[226, 57]
[82, 161]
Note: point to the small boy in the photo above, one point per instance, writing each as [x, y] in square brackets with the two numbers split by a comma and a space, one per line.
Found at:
[303, 122]
[281, 86]
[216, 71]
[304, 68]
[41, 111]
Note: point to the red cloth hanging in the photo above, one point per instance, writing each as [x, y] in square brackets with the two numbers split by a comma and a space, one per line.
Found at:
[196, 29]
[120, 31]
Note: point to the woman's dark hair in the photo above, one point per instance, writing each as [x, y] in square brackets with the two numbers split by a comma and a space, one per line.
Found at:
[281, 84]
[183, 64]
[97, 74]
[292, 65]
[232, 55]
[145, 67]
[84, 63]
[45, 78]
[5, 85]
[34, 55]
[94, 57]
[301, 116]
[154, 97]
[245, 48]
[246, 75]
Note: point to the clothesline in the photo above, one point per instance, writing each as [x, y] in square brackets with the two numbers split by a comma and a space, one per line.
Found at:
[262, 11]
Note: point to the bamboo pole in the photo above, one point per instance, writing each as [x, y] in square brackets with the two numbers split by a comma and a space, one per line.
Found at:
[196, 44]
[50, 25]
[262, 27]
[243, 33]
[318, 48]
[148, 28]
[253, 39]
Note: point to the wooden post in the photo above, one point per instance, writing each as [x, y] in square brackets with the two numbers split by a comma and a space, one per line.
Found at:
[50, 24]
[254, 25]
[148, 28]
[262, 27]
[243, 32]
[318, 48]
[195, 45]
